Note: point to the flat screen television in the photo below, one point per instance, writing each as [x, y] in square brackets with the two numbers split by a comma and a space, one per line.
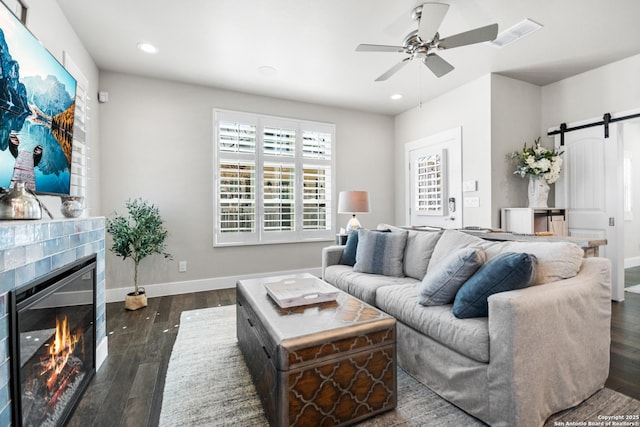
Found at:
[37, 103]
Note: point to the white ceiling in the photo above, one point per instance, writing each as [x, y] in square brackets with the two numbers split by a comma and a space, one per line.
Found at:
[311, 44]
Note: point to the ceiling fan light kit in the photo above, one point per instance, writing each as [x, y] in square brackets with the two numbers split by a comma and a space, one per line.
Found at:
[424, 42]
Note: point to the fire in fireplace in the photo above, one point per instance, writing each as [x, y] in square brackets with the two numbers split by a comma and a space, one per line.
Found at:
[53, 344]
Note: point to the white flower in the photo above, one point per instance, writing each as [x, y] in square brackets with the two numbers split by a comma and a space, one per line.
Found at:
[538, 161]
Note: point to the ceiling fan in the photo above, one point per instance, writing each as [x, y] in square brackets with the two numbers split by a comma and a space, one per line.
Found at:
[424, 42]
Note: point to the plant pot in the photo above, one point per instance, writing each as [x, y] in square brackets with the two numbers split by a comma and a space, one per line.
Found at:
[135, 301]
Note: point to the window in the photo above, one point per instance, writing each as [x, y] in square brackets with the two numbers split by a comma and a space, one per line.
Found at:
[273, 179]
[429, 184]
[80, 156]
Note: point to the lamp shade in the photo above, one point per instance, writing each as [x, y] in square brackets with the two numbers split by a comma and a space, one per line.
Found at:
[353, 202]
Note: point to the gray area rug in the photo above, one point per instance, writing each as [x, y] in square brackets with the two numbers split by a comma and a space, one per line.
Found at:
[208, 384]
[633, 289]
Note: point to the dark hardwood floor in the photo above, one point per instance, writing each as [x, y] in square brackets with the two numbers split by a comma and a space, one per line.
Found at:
[127, 390]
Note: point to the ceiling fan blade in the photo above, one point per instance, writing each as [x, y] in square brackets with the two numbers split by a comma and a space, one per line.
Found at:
[430, 20]
[437, 65]
[378, 48]
[479, 35]
[391, 71]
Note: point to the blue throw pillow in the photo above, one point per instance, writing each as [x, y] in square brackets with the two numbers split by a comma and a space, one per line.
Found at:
[349, 253]
[502, 273]
[380, 253]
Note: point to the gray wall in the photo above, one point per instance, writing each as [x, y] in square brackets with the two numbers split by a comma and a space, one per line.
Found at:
[468, 106]
[157, 142]
[497, 115]
[515, 119]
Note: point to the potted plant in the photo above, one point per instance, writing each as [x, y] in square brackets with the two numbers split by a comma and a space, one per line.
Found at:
[138, 235]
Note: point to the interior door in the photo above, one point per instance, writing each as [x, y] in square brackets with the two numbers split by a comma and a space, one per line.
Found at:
[590, 187]
[434, 177]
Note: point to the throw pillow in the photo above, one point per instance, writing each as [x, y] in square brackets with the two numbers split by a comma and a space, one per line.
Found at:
[442, 282]
[450, 241]
[504, 272]
[417, 253]
[380, 253]
[556, 260]
[348, 256]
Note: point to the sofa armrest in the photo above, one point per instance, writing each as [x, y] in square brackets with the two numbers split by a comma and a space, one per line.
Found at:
[331, 256]
[549, 344]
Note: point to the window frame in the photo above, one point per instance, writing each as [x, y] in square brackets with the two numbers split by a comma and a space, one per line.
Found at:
[259, 235]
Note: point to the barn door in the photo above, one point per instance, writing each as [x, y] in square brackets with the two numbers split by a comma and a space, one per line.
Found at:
[590, 187]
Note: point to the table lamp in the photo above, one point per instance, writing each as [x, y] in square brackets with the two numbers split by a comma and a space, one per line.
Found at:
[353, 202]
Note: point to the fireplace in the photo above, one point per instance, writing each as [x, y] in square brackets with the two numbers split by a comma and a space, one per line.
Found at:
[53, 343]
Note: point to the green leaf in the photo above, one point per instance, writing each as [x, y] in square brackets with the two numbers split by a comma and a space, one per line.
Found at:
[139, 234]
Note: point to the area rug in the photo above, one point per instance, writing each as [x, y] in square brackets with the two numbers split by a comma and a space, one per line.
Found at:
[633, 289]
[207, 384]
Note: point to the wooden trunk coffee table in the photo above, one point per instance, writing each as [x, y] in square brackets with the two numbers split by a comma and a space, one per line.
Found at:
[331, 363]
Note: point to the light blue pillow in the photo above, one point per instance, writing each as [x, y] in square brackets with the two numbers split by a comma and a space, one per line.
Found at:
[380, 253]
[442, 281]
[349, 253]
[505, 272]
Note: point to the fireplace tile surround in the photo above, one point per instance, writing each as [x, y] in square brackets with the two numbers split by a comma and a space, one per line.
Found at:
[30, 249]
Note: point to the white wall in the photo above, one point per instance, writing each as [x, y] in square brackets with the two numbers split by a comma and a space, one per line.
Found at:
[468, 106]
[608, 89]
[157, 143]
[47, 22]
[515, 119]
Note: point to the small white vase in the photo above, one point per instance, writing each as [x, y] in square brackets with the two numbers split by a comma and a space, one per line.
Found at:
[538, 192]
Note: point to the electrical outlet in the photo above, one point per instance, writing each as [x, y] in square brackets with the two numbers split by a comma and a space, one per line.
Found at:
[182, 266]
[472, 202]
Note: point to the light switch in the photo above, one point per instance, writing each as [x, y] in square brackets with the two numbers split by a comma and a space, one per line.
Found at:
[471, 185]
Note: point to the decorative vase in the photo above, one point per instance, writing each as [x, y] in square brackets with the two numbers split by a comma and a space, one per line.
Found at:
[134, 302]
[72, 206]
[19, 203]
[538, 192]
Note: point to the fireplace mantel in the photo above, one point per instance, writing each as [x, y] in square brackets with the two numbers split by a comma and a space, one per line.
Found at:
[30, 249]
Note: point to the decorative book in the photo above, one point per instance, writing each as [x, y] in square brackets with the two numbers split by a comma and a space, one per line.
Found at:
[300, 291]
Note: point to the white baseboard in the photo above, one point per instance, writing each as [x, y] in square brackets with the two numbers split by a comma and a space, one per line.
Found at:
[188, 286]
[632, 262]
[102, 351]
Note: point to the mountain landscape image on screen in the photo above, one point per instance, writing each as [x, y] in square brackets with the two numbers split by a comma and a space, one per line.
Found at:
[36, 115]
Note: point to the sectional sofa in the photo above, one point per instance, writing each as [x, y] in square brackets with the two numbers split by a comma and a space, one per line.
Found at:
[539, 349]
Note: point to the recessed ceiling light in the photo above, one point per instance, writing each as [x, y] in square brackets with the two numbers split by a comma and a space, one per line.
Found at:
[267, 71]
[518, 31]
[147, 47]
[396, 96]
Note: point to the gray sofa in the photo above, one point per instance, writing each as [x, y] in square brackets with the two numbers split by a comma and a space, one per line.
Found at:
[542, 349]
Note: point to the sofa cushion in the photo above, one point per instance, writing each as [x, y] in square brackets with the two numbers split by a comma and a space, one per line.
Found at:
[361, 285]
[442, 282]
[556, 260]
[348, 256]
[418, 251]
[449, 242]
[469, 337]
[380, 253]
[505, 272]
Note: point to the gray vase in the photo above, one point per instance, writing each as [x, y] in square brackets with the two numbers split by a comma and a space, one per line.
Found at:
[18, 203]
[72, 206]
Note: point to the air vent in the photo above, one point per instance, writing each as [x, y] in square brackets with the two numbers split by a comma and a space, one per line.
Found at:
[518, 31]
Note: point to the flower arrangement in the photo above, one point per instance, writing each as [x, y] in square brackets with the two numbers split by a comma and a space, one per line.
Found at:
[538, 162]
